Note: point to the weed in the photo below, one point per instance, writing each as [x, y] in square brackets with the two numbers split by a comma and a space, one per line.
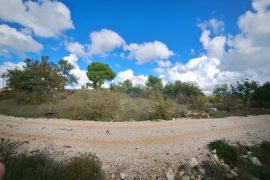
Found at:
[228, 153]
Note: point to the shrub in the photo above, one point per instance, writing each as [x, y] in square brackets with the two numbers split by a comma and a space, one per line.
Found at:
[213, 171]
[163, 108]
[198, 102]
[261, 97]
[228, 153]
[37, 165]
[83, 167]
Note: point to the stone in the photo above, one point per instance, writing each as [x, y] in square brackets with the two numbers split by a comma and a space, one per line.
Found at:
[225, 165]
[215, 158]
[192, 177]
[255, 161]
[202, 171]
[170, 174]
[233, 173]
[181, 173]
[193, 162]
[185, 178]
[214, 151]
[122, 175]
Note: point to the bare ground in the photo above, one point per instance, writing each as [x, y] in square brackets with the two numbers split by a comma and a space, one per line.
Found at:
[142, 149]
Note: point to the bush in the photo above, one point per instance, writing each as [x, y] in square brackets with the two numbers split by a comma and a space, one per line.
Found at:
[163, 109]
[198, 102]
[228, 153]
[37, 165]
[261, 97]
[93, 105]
[84, 167]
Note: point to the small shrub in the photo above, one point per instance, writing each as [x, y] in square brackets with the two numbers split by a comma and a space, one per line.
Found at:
[25, 166]
[214, 171]
[163, 108]
[83, 167]
[228, 153]
[197, 102]
[262, 151]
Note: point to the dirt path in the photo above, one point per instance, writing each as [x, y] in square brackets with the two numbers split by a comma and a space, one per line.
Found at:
[132, 146]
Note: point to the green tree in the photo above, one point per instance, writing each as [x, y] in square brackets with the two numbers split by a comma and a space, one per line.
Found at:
[179, 88]
[261, 97]
[221, 91]
[42, 78]
[244, 90]
[98, 73]
[154, 83]
[65, 69]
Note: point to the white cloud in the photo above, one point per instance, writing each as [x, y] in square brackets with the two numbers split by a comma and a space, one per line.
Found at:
[255, 25]
[129, 75]
[249, 51]
[215, 25]
[215, 47]
[45, 18]
[247, 54]
[148, 51]
[17, 42]
[9, 66]
[76, 48]
[77, 72]
[204, 70]
[104, 41]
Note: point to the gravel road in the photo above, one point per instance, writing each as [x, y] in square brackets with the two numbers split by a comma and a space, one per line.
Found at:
[135, 147]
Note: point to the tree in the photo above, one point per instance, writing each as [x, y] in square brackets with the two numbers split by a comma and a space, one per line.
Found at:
[43, 78]
[261, 97]
[221, 91]
[65, 69]
[179, 88]
[98, 73]
[154, 83]
[244, 90]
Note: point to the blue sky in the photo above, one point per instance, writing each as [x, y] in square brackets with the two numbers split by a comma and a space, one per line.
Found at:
[203, 41]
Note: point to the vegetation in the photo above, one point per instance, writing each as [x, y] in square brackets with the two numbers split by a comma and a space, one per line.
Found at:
[98, 73]
[21, 164]
[39, 80]
[40, 87]
[239, 159]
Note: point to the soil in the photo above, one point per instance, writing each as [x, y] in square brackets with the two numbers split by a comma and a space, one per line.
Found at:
[139, 149]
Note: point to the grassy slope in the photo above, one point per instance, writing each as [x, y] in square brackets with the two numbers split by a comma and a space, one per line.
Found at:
[88, 105]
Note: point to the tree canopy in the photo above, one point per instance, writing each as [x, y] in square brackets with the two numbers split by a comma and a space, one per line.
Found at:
[42, 77]
[98, 73]
[154, 83]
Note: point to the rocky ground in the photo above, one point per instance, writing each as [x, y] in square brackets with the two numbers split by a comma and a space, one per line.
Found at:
[137, 149]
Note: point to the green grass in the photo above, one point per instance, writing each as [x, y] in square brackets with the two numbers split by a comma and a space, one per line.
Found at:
[228, 153]
[23, 165]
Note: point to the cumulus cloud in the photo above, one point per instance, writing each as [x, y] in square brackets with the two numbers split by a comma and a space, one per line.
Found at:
[215, 25]
[104, 41]
[215, 47]
[77, 71]
[16, 41]
[249, 51]
[76, 48]
[129, 75]
[228, 58]
[204, 70]
[45, 18]
[148, 51]
[9, 66]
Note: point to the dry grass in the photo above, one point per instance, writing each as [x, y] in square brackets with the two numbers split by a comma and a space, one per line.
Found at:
[98, 105]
